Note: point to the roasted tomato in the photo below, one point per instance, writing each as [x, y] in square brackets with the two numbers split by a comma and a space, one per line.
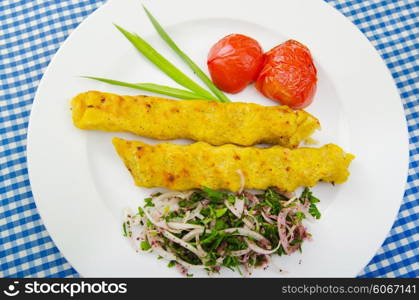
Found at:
[234, 62]
[288, 75]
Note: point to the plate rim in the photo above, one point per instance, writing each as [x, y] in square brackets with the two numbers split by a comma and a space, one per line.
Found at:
[81, 26]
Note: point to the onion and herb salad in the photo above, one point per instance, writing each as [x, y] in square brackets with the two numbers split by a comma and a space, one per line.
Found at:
[210, 229]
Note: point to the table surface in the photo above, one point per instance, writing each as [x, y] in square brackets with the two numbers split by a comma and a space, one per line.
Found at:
[32, 31]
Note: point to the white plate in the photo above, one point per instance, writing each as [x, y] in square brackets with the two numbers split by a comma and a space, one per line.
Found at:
[81, 186]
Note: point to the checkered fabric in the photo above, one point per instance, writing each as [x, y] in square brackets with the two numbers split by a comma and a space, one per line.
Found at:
[31, 31]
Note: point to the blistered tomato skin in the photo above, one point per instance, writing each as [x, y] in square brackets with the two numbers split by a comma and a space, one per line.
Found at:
[289, 75]
[234, 62]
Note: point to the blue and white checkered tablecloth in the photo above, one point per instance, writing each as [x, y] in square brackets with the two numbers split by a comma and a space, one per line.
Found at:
[31, 31]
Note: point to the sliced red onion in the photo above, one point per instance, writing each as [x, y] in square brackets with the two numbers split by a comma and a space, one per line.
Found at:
[299, 207]
[267, 210]
[293, 249]
[182, 270]
[281, 230]
[154, 240]
[291, 231]
[266, 244]
[245, 257]
[252, 198]
[256, 242]
[286, 194]
[303, 232]
[265, 217]
[220, 249]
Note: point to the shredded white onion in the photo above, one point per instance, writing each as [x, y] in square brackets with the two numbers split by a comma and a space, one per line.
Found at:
[186, 218]
[255, 221]
[199, 216]
[289, 202]
[199, 247]
[239, 206]
[184, 244]
[183, 226]
[193, 214]
[153, 221]
[219, 260]
[240, 252]
[245, 232]
[168, 195]
[160, 223]
[237, 209]
[242, 181]
[191, 234]
[260, 250]
[266, 218]
[248, 223]
[134, 233]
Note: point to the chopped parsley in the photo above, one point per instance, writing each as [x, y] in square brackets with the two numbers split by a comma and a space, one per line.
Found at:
[144, 245]
[217, 237]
